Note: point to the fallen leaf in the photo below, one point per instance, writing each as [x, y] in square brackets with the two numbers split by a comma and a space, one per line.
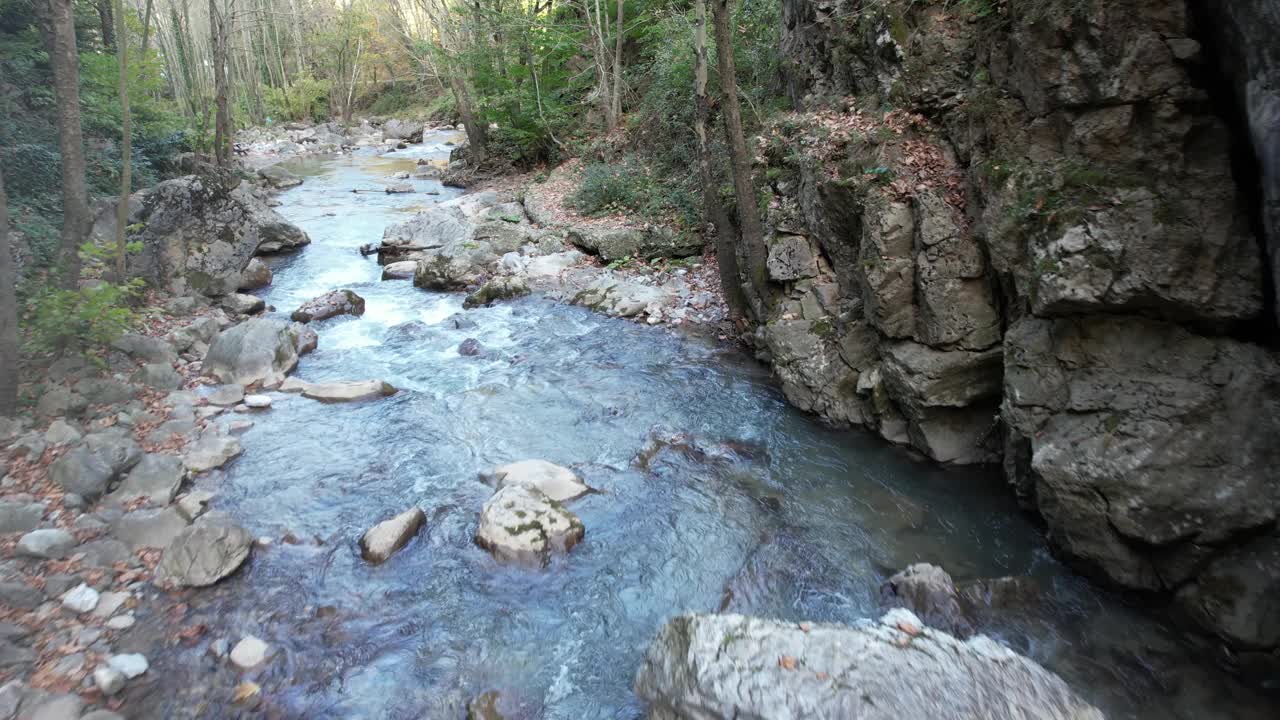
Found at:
[246, 692]
[787, 662]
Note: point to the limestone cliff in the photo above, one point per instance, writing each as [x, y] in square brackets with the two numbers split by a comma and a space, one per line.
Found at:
[1014, 231]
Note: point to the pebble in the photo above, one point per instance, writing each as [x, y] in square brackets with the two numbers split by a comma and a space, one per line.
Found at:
[109, 680]
[131, 665]
[257, 402]
[250, 652]
[80, 599]
[109, 603]
[121, 622]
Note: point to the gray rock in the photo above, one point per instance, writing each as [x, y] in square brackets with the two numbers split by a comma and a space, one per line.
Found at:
[558, 483]
[349, 391]
[205, 552]
[58, 400]
[719, 667]
[399, 187]
[257, 402]
[521, 525]
[1235, 595]
[46, 544]
[499, 288]
[149, 528]
[408, 130]
[243, 304]
[202, 330]
[89, 468]
[80, 599]
[59, 707]
[791, 258]
[18, 516]
[225, 395]
[105, 391]
[145, 348]
[256, 275]
[383, 540]
[250, 653]
[159, 376]
[61, 432]
[613, 243]
[130, 665]
[470, 347]
[17, 594]
[14, 656]
[11, 694]
[257, 350]
[928, 592]
[108, 680]
[156, 477]
[622, 298]
[402, 270]
[278, 177]
[211, 450]
[331, 304]
[193, 504]
[31, 445]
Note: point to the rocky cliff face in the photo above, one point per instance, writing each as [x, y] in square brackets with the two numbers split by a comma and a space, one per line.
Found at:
[1013, 232]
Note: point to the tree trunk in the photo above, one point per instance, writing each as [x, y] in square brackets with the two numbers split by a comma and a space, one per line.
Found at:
[222, 118]
[60, 40]
[713, 209]
[8, 316]
[107, 24]
[615, 102]
[749, 226]
[126, 140]
[476, 135]
[146, 30]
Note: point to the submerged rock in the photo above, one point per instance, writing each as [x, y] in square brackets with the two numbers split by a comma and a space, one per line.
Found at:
[470, 347]
[330, 304]
[250, 652]
[500, 288]
[204, 553]
[521, 525]
[558, 483]
[349, 391]
[722, 667]
[387, 537]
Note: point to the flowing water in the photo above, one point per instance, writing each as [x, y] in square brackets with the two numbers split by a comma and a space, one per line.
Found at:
[772, 513]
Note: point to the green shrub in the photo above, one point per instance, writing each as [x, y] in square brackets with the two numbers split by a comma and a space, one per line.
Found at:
[84, 321]
[306, 99]
[610, 188]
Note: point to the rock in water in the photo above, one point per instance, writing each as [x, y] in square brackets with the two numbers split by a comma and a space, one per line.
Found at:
[522, 525]
[131, 665]
[256, 350]
[254, 276]
[556, 482]
[402, 270]
[399, 187]
[500, 288]
[470, 347]
[337, 302]
[278, 177]
[350, 391]
[250, 652]
[243, 304]
[928, 591]
[206, 552]
[384, 539]
[721, 667]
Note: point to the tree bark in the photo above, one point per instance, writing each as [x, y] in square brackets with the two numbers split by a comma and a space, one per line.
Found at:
[107, 24]
[713, 209]
[749, 226]
[615, 102]
[146, 29]
[8, 316]
[59, 29]
[476, 135]
[126, 140]
[222, 118]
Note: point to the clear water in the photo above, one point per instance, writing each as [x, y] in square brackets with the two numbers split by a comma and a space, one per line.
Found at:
[800, 521]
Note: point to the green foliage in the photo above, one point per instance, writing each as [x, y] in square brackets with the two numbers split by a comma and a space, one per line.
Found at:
[85, 320]
[607, 189]
[307, 98]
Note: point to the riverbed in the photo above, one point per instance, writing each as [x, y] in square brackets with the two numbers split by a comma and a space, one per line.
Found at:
[737, 501]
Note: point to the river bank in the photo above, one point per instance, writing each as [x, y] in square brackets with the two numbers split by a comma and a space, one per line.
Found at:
[713, 493]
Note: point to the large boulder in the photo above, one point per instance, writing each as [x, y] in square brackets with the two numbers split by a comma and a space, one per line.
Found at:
[499, 288]
[259, 350]
[89, 468]
[279, 177]
[254, 276]
[521, 525]
[199, 232]
[619, 243]
[722, 667]
[155, 478]
[330, 304]
[556, 482]
[457, 241]
[204, 553]
[929, 592]
[623, 298]
[407, 130]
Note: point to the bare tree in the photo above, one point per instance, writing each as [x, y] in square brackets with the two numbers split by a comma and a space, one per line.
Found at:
[222, 119]
[8, 315]
[615, 102]
[106, 23]
[126, 139]
[59, 29]
[713, 209]
[750, 229]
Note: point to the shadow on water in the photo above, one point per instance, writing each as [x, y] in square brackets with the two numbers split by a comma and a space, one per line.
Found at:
[714, 493]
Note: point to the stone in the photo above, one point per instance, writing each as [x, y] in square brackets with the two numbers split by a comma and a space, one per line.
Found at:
[410, 130]
[225, 395]
[102, 715]
[622, 298]
[257, 402]
[521, 525]
[46, 544]
[278, 177]
[148, 528]
[80, 599]
[256, 275]
[131, 665]
[205, 552]
[105, 553]
[13, 655]
[791, 258]
[156, 478]
[121, 622]
[1235, 595]
[258, 350]
[331, 304]
[108, 680]
[720, 667]
[109, 603]
[250, 653]
[211, 450]
[17, 594]
[402, 270]
[11, 696]
[243, 304]
[193, 504]
[18, 516]
[349, 391]
[557, 483]
[470, 347]
[199, 332]
[499, 288]
[145, 348]
[58, 400]
[618, 243]
[58, 707]
[389, 536]
[928, 592]
[551, 265]
[399, 187]
[89, 468]
[61, 432]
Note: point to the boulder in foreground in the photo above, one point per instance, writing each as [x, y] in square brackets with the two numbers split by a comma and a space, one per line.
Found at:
[718, 667]
[257, 350]
[389, 536]
[204, 553]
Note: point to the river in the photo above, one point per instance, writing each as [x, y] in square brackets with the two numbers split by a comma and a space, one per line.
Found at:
[800, 520]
